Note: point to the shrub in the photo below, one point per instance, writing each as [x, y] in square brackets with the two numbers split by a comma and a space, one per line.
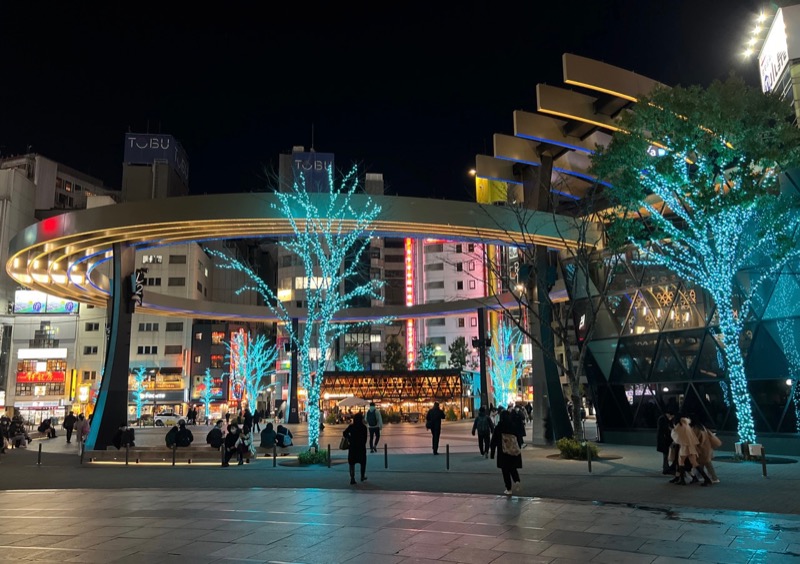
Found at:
[450, 415]
[576, 450]
[330, 419]
[394, 417]
[313, 457]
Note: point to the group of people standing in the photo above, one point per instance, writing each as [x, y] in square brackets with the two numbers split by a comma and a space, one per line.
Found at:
[687, 447]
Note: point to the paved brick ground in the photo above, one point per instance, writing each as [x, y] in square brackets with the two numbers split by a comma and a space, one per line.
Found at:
[624, 511]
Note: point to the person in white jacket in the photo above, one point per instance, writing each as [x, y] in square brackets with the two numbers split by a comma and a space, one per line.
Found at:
[684, 436]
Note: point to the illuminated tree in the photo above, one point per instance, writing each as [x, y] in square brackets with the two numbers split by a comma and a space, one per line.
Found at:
[139, 376]
[350, 361]
[507, 363]
[458, 353]
[695, 180]
[395, 355]
[207, 392]
[250, 359]
[426, 357]
[332, 231]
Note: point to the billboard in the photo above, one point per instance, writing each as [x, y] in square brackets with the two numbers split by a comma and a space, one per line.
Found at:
[313, 167]
[774, 55]
[34, 302]
[218, 387]
[145, 148]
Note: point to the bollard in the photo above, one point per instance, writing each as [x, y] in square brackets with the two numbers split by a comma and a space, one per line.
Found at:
[447, 452]
[589, 456]
[329, 455]
[222, 455]
[82, 448]
[274, 455]
[763, 462]
[174, 452]
[126, 454]
[385, 455]
[39, 456]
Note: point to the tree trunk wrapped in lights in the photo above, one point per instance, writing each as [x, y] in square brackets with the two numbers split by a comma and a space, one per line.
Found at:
[331, 235]
[251, 360]
[507, 363]
[139, 376]
[207, 393]
[695, 181]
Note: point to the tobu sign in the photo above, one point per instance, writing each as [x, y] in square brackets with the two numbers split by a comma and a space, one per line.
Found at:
[313, 167]
[145, 148]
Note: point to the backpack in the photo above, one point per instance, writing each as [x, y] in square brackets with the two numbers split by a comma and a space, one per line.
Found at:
[510, 444]
[482, 424]
[372, 419]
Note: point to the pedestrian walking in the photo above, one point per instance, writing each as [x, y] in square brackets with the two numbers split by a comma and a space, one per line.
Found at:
[433, 422]
[708, 441]
[664, 427]
[81, 428]
[69, 425]
[375, 425]
[684, 436]
[356, 435]
[509, 456]
[483, 426]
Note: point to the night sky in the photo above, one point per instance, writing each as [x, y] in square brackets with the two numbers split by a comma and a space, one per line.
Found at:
[412, 90]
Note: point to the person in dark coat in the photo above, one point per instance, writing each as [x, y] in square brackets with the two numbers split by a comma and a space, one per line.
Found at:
[518, 420]
[69, 425]
[171, 438]
[484, 427]
[247, 418]
[509, 457]
[664, 440]
[214, 437]
[356, 434]
[433, 421]
[232, 444]
[256, 421]
[184, 437]
[268, 436]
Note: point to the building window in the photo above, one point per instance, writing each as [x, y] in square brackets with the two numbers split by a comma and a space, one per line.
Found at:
[394, 258]
[434, 248]
[92, 327]
[199, 287]
[148, 327]
[177, 259]
[436, 322]
[197, 359]
[472, 265]
[459, 267]
[174, 326]
[173, 349]
[78, 188]
[434, 266]
[176, 281]
[198, 336]
[89, 350]
[155, 281]
[459, 248]
[471, 284]
[461, 322]
[152, 259]
[473, 321]
[460, 285]
[471, 248]
[216, 361]
[90, 375]
[59, 183]
[434, 285]
[217, 337]
[375, 253]
[375, 338]
[68, 186]
[147, 349]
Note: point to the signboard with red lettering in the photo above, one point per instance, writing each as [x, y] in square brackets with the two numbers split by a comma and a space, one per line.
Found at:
[40, 377]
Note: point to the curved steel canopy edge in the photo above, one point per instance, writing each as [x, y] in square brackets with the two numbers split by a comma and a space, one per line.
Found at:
[57, 254]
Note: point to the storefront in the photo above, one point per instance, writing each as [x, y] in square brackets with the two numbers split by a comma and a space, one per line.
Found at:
[40, 387]
[157, 401]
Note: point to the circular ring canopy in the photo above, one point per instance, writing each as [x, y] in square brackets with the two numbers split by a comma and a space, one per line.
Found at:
[56, 254]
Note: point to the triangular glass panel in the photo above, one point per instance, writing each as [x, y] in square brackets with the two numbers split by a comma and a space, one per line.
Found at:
[786, 334]
[710, 363]
[638, 352]
[604, 351]
[647, 314]
[619, 305]
[665, 297]
[605, 325]
[765, 350]
[668, 366]
[624, 368]
[620, 276]
[785, 300]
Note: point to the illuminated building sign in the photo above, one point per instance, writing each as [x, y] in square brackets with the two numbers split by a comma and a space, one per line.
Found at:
[41, 354]
[146, 148]
[40, 377]
[410, 336]
[33, 302]
[774, 54]
[313, 168]
[157, 396]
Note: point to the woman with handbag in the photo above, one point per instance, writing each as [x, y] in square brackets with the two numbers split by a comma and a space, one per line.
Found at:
[356, 437]
[509, 455]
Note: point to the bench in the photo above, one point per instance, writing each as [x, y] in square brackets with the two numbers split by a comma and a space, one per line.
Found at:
[183, 455]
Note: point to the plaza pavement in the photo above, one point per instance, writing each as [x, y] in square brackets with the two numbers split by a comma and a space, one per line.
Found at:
[416, 511]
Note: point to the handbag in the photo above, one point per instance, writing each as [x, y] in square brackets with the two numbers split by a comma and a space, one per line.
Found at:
[510, 444]
[344, 444]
